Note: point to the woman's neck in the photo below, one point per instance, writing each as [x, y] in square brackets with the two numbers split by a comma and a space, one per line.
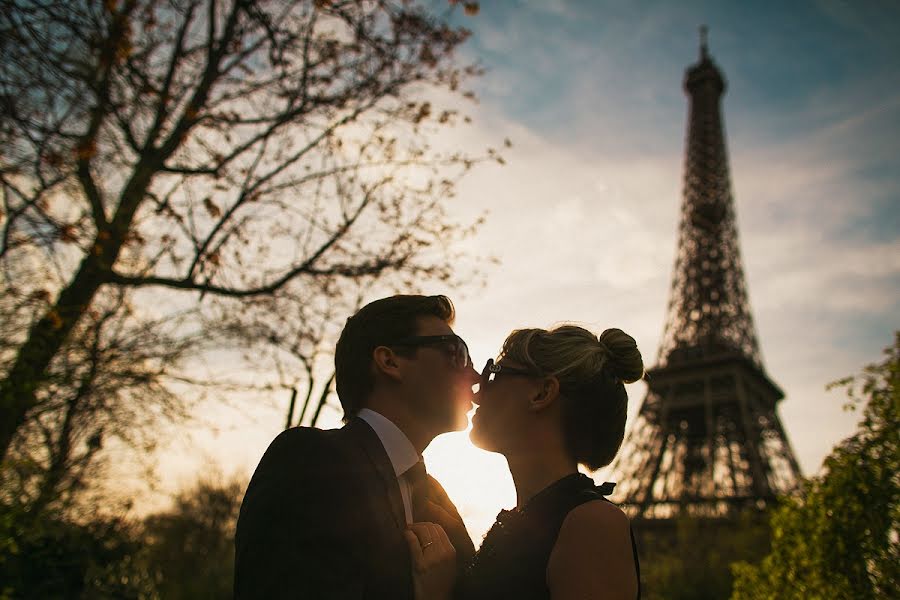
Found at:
[535, 469]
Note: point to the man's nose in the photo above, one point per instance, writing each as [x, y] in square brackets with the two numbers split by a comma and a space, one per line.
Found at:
[472, 375]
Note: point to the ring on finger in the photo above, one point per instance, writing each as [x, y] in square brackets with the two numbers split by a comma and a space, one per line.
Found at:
[426, 544]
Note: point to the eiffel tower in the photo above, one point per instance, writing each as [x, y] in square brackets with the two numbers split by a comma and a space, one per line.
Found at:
[707, 441]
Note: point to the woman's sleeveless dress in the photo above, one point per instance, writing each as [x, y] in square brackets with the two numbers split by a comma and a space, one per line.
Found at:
[512, 560]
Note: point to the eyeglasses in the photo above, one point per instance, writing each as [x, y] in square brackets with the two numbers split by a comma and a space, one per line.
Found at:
[452, 343]
[491, 370]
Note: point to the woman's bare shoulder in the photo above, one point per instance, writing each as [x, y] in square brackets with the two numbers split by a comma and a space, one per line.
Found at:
[592, 553]
[592, 523]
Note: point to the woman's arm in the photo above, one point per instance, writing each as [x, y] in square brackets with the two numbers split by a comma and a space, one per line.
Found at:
[592, 558]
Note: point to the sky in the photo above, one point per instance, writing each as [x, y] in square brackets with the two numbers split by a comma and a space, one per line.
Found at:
[583, 217]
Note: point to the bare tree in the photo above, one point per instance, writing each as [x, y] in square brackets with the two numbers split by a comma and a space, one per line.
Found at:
[106, 383]
[215, 153]
[293, 339]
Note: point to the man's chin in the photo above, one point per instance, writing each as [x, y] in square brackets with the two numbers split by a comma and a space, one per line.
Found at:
[454, 423]
[460, 417]
[449, 423]
[461, 423]
[479, 442]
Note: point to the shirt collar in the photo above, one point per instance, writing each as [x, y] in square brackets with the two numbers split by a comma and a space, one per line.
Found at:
[399, 449]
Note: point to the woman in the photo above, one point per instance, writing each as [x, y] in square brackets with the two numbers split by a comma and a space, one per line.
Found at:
[553, 400]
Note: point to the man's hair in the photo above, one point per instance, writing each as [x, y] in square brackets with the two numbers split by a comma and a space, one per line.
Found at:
[378, 323]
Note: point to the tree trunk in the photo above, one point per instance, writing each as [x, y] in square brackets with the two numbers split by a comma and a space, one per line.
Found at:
[18, 391]
[322, 400]
[290, 415]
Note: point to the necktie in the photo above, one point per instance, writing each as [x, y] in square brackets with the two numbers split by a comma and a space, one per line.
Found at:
[417, 478]
[430, 503]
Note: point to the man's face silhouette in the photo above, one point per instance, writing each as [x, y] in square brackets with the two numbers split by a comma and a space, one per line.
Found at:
[440, 380]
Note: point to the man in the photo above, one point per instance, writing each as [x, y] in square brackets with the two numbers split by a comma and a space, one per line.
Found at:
[325, 512]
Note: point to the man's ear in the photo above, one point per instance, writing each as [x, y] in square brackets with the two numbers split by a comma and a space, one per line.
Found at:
[385, 361]
[546, 392]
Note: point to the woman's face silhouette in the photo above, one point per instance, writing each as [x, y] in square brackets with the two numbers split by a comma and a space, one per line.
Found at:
[500, 422]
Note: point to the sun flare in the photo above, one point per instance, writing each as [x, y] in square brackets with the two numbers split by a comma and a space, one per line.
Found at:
[477, 481]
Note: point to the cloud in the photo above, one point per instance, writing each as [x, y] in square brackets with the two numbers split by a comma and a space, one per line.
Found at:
[585, 219]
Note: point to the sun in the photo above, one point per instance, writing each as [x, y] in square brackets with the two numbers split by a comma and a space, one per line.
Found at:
[478, 482]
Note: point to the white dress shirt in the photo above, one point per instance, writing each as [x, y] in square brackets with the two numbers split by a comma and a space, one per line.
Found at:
[399, 449]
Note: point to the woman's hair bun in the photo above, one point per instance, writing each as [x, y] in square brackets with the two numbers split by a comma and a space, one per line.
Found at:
[622, 354]
[591, 373]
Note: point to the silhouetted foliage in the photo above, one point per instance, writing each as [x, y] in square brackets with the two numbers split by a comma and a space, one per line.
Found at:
[184, 552]
[689, 559]
[841, 538]
[190, 548]
[51, 556]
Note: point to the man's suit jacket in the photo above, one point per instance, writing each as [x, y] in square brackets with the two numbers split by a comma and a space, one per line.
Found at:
[323, 518]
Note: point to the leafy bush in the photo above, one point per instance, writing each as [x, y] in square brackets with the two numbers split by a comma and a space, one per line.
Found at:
[841, 538]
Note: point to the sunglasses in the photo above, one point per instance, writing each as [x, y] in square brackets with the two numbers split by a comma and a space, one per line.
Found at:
[452, 344]
[491, 370]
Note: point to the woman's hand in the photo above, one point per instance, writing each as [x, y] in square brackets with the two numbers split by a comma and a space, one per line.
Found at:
[433, 561]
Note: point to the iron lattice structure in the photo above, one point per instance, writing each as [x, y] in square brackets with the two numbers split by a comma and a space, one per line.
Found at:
[707, 439]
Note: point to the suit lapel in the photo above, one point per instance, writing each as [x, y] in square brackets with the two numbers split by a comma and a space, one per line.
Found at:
[371, 445]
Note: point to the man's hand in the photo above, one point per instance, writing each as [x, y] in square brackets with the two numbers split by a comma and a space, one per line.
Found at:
[433, 561]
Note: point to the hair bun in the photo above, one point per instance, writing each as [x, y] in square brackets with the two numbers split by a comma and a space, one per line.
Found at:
[624, 358]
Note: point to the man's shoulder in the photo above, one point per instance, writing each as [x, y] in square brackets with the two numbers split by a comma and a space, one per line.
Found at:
[308, 445]
[307, 461]
[305, 436]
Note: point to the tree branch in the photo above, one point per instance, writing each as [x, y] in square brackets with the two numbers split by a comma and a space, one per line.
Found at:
[373, 267]
[162, 109]
[86, 147]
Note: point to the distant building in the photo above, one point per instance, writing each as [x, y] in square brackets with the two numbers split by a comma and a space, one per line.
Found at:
[707, 441]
